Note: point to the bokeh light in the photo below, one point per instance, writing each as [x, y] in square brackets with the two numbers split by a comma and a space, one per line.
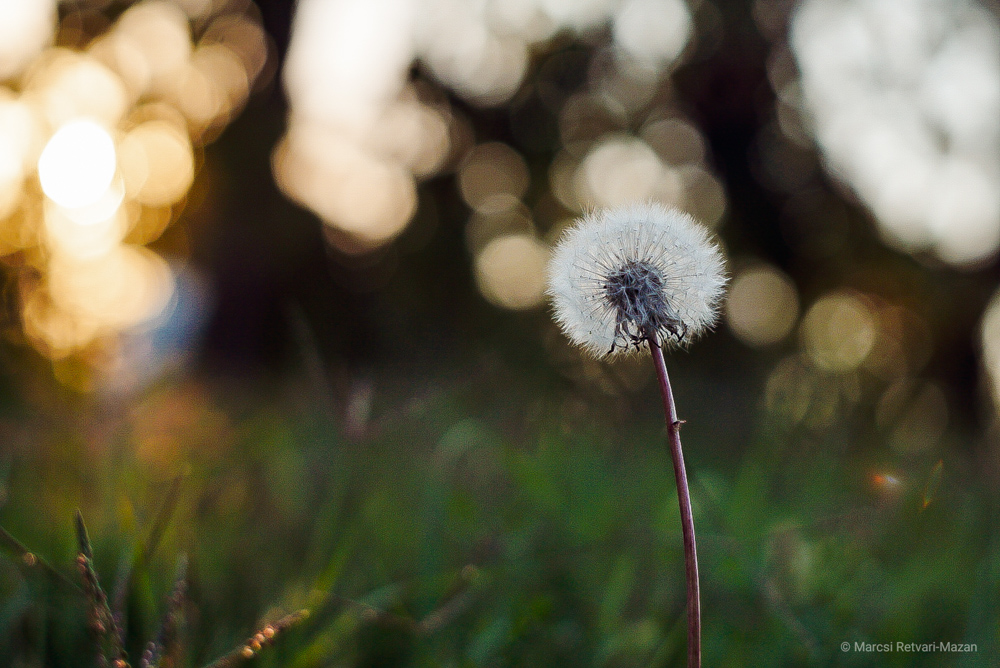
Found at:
[11, 178]
[157, 163]
[652, 30]
[990, 338]
[838, 332]
[68, 85]
[509, 216]
[676, 141]
[87, 232]
[624, 169]
[398, 407]
[348, 79]
[414, 134]
[151, 45]
[619, 168]
[17, 130]
[77, 164]
[762, 306]
[510, 271]
[482, 65]
[117, 290]
[98, 139]
[490, 171]
[367, 197]
[904, 101]
[25, 29]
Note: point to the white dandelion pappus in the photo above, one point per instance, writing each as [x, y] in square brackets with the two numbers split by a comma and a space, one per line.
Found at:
[621, 275]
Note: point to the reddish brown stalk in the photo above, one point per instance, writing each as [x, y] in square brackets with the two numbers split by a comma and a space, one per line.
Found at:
[684, 499]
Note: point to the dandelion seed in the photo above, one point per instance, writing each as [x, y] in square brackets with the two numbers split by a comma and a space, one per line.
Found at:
[635, 273]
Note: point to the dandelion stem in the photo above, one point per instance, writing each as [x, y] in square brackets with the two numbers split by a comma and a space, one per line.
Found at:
[684, 499]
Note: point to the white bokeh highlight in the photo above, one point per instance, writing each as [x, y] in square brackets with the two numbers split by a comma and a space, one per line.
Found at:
[903, 97]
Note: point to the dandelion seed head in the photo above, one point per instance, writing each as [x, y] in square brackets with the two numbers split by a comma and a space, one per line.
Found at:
[622, 275]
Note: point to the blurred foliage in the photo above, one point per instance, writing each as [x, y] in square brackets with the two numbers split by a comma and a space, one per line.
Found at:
[444, 531]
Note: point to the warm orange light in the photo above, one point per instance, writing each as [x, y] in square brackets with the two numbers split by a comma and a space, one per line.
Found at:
[157, 163]
[112, 171]
[354, 191]
[152, 44]
[25, 29]
[115, 291]
[885, 482]
[77, 164]
[11, 178]
[68, 85]
[67, 233]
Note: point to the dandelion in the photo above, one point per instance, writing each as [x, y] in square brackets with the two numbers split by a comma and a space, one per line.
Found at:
[633, 274]
[643, 276]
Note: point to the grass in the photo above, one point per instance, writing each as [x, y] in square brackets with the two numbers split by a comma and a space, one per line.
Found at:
[448, 531]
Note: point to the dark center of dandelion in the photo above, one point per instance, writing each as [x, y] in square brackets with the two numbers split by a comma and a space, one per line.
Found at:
[635, 292]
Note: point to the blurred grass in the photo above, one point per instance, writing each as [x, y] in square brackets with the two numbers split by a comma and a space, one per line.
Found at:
[470, 520]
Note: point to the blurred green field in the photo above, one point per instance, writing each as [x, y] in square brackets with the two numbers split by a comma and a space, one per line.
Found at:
[497, 515]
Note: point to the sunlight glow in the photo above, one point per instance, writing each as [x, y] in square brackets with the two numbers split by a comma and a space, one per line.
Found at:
[347, 74]
[903, 97]
[97, 234]
[17, 131]
[107, 292]
[110, 122]
[157, 163]
[620, 168]
[652, 30]
[624, 169]
[77, 164]
[25, 29]
[69, 86]
[348, 59]
[11, 179]
[151, 44]
[359, 193]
